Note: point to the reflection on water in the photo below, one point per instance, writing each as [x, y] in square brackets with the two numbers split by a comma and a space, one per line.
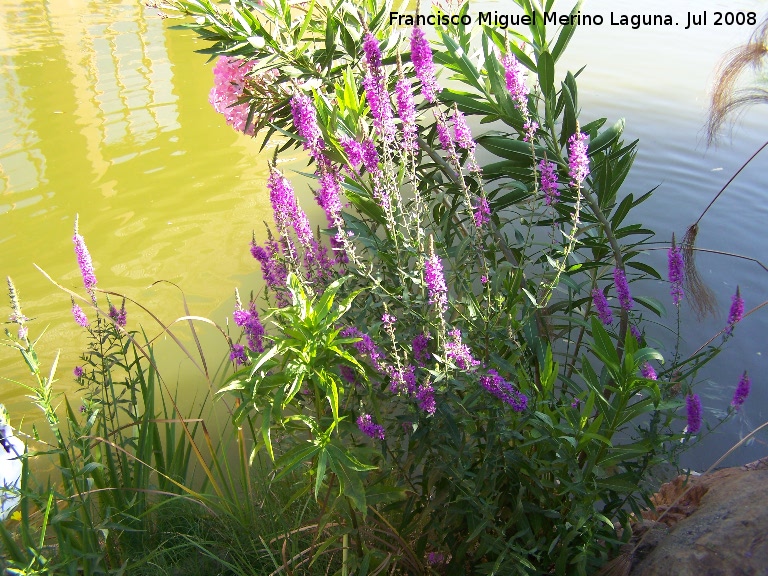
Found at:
[104, 112]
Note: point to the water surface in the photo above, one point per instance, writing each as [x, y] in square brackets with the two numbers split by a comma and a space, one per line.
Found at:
[104, 112]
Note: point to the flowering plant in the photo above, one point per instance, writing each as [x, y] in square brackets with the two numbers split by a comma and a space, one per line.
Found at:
[483, 393]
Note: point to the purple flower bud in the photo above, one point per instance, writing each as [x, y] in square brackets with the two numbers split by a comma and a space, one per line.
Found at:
[622, 289]
[742, 391]
[78, 371]
[636, 333]
[601, 306]
[693, 409]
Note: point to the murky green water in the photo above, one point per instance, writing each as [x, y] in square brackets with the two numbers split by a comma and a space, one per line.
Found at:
[104, 112]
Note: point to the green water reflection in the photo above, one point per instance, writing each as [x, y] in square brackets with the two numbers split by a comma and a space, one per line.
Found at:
[104, 112]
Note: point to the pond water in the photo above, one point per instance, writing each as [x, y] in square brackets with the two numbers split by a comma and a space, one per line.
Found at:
[104, 113]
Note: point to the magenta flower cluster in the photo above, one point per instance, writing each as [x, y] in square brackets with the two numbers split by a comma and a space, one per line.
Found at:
[459, 352]
[742, 391]
[421, 57]
[287, 212]
[80, 318]
[514, 74]
[578, 162]
[435, 281]
[482, 212]
[403, 381]
[736, 313]
[229, 76]
[368, 427]
[549, 182]
[676, 270]
[381, 109]
[601, 306]
[365, 346]
[406, 111]
[622, 289]
[273, 270]
[693, 410]
[504, 391]
[426, 398]
[250, 322]
[85, 263]
[419, 347]
[305, 122]
[648, 372]
[119, 317]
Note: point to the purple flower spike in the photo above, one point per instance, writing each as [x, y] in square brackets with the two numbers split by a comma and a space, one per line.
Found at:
[353, 149]
[462, 132]
[736, 312]
[369, 428]
[578, 162]
[514, 73]
[742, 391]
[676, 272]
[693, 409]
[433, 277]
[648, 372]
[444, 135]
[636, 333]
[305, 121]
[459, 352]
[426, 398]
[482, 212]
[372, 51]
[286, 210]
[381, 108]
[622, 288]
[406, 110]
[370, 156]
[601, 305]
[119, 317]
[420, 353]
[237, 355]
[504, 391]
[549, 182]
[421, 56]
[80, 318]
[84, 262]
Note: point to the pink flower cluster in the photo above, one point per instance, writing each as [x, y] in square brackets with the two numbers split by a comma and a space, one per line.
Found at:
[229, 81]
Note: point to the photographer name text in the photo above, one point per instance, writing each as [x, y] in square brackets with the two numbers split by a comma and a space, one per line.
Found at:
[503, 20]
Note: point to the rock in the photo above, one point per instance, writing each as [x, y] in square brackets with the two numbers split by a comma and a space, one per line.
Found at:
[718, 528]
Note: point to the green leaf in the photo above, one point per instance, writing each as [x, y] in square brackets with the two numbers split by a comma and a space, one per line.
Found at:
[511, 149]
[322, 460]
[653, 304]
[350, 481]
[604, 346]
[266, 430]
[461, 60]
[606, 138]
[566, 33]
[546, 71]
[295, 456]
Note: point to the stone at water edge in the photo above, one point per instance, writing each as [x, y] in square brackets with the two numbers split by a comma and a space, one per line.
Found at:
[11, 449]
[726, 533]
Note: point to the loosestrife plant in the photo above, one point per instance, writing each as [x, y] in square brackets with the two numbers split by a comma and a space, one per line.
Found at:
[457, 362]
